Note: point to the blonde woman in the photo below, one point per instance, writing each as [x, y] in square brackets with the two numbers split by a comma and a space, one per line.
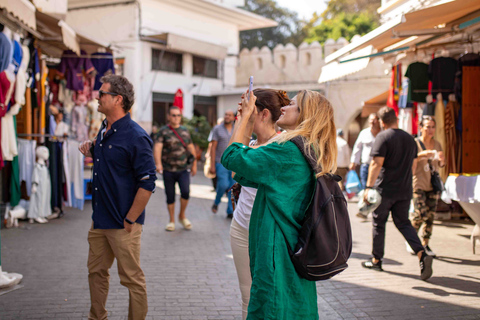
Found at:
[285, 184]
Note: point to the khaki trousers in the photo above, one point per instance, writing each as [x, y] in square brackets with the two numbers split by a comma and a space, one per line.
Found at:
[105, 246]
[241, 258]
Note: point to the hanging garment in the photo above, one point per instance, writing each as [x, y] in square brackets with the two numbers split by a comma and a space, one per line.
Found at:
[403, 100]
[392, 102]
[75, 166]
[440, 130]
[8, 136]
[26, 161]
[72, 66]
[79, 123]
[451, 139]
[5, 51]
[21, 80]
[103, 63]
[40, 200]
[96, 119]
[405, 119]
[17, 55]
[417, 72]
[66, 173]
[415, 118]
[441, 72]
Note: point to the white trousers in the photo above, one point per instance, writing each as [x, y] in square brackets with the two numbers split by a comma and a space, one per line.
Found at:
[239, 243]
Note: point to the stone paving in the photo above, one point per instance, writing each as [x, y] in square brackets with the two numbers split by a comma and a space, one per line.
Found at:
[190, 274]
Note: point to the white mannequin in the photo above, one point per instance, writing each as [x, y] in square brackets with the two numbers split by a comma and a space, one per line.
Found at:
[16, 37]
[41, 194]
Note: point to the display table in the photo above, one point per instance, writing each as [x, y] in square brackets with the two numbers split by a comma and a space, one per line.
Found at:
[466, 190]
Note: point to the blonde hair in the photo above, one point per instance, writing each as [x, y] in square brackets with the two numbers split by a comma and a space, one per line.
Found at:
[316, 126]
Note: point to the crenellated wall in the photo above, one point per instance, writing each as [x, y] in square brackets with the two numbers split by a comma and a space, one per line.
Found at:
[285, 64]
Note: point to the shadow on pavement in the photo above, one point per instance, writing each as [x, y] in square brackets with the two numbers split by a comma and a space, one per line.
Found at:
[363, 256]
[459, 261]
[446, 282]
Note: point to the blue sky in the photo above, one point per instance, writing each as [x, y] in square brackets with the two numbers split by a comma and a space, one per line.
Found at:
[305, 8]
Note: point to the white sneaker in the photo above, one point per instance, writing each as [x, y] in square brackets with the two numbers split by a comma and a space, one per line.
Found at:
[409, 249]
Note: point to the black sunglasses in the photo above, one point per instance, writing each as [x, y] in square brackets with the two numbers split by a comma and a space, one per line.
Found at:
[101, 93]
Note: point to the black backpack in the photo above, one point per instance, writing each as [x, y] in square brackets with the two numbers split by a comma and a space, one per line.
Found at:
[325, 238]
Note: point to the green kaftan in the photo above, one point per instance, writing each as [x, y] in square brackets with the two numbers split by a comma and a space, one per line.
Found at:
[285, 185]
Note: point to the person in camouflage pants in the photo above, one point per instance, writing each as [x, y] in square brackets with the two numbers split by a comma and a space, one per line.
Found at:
[425, 203]
[173, 146]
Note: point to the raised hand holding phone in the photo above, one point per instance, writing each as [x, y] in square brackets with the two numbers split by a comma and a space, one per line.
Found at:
[250, 87]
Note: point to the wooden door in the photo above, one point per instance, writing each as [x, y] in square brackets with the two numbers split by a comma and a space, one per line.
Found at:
[471, 120]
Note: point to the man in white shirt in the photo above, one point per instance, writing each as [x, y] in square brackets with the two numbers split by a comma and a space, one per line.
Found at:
[363, 147]
[343, 158]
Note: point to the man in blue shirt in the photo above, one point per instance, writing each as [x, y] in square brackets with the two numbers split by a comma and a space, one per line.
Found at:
[123, 181]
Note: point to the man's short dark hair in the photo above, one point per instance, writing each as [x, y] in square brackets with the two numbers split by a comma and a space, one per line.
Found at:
[387, 115]
[174, 108]
[121, 85]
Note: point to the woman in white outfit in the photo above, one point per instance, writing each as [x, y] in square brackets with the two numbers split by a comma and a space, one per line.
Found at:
[269, 102]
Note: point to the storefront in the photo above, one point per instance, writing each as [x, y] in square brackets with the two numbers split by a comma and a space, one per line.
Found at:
[433, 54]
[47, 98]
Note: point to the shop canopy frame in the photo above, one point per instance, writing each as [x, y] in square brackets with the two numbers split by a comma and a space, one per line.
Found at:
[55, 36]
[19, 12]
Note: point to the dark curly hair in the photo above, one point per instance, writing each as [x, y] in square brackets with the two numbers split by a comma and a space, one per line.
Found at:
[272, 100]
[121, 86]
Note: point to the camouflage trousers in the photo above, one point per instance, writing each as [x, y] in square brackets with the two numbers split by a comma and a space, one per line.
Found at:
[425, 203]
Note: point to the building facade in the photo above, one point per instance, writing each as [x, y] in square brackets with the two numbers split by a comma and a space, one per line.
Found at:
[166, 45]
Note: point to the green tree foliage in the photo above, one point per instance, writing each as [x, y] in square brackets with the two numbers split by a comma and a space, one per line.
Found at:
[342, 25]
[290, 27]
[335, 7]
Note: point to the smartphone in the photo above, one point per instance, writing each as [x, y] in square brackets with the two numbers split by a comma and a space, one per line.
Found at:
[250, 87]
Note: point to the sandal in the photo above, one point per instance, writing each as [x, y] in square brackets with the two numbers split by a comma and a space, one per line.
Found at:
[186, 224]
[170, 226]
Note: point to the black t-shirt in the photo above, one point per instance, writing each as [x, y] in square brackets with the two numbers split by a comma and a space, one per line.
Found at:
[417, 72]
[399, 150]
[442, 73]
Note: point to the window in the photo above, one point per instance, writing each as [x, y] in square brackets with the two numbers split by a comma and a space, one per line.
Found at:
[207, 107]
[205, 67]
[168, 61]
[260, 64]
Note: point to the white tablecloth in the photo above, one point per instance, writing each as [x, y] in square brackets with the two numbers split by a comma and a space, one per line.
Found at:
[462, 188]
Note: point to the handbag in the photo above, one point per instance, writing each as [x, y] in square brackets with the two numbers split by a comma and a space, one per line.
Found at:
[190, 157]
[435, 180]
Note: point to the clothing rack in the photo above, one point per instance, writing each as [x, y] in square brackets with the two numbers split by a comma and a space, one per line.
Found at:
[86, 56]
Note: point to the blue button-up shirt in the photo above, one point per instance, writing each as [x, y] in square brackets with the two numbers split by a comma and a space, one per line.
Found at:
[122, 163]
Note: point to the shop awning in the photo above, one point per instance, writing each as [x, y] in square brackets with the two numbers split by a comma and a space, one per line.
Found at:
[185, 44]
[374, 104]
[23, 10]
[335, 70]
[436, 17]
[57, 36]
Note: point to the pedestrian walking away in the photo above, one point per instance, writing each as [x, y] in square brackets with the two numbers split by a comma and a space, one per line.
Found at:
[362, 149]
[425, 198]
[394, 160]
[221, 135]
[285, 183]
[123, 181]
[268, 106]
[173, 152]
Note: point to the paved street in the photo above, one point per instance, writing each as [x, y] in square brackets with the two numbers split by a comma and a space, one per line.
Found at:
[190, 274]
